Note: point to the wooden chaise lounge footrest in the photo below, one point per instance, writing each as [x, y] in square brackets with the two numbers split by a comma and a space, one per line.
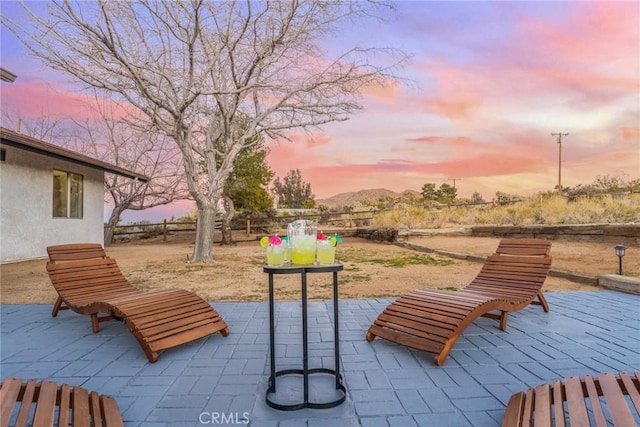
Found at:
[165, 319]
[600, 401]
[28, 403]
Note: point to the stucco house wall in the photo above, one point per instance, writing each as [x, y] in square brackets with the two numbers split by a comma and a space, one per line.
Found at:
[27, 225]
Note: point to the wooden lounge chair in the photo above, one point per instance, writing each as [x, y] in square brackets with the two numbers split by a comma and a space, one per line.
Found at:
[432, 320]
[88, 282]
[46, 404]
[577, 402]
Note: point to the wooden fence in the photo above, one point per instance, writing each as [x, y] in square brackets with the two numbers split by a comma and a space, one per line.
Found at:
[267, 225]
[349, 219]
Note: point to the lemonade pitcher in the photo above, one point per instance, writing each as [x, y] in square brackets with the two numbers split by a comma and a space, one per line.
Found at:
[302, 240]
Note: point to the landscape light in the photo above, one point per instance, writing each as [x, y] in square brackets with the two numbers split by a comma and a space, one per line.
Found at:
[620, 250]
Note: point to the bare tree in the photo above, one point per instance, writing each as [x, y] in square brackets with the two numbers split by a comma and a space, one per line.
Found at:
[115, 138]
[194, 67]
[45, 128]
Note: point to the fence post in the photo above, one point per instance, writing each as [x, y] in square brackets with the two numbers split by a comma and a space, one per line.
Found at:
[164, 230]
[248, 225]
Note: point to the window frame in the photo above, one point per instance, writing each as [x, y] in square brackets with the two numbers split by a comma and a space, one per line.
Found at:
[67, 195]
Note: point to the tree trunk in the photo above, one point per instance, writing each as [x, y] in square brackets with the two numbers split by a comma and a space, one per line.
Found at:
[203, 249]
[112, 223]
[230, 212]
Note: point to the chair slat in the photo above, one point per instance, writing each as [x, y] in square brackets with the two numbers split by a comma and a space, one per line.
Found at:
[543, 406]
[46, 404]
[95, 410]
[65, 405]
[513, 414]
[594, 398]
[632, 388]
[578, 415]
[606, 394]
[558, 403]
[616, 402]
[527, 413]
[80, 402]
[27, 396]
[9, 393]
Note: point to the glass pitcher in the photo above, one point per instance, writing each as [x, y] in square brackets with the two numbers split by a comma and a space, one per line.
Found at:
[302, 240]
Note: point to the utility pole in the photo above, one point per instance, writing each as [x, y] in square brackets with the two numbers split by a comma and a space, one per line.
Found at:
[559, 135]
[454, 181]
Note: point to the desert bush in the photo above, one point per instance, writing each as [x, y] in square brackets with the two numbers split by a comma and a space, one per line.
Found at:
[540, 209]
[407, 217]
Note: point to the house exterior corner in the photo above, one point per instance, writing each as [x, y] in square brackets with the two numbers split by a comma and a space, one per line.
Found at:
[28, 221]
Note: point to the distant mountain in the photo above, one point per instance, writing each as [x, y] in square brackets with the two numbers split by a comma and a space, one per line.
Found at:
[347, 199]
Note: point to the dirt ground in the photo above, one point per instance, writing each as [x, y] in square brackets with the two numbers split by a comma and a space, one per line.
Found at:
[370, 269]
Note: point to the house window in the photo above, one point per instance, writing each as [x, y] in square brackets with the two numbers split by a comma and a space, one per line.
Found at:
[3, 155]
[67, 195]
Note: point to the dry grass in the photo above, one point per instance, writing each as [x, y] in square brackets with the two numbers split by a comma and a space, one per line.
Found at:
[371, 270]
[536, 210]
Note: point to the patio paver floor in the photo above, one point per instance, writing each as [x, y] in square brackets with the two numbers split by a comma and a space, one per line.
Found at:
[222, 381]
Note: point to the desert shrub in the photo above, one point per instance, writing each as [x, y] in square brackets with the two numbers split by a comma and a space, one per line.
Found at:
[407, 217]
[540, 209]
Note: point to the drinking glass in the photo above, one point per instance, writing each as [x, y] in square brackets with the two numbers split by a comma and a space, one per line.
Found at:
[275, 255]
[325, 252]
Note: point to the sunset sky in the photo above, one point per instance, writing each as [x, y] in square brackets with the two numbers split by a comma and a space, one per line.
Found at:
[486, 85]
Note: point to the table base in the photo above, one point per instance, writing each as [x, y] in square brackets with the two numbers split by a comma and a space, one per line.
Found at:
[313, 405]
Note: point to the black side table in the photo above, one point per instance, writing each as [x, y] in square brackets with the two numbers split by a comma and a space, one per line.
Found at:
[305, 371]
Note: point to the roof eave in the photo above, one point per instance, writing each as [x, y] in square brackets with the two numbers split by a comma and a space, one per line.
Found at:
[25, 142]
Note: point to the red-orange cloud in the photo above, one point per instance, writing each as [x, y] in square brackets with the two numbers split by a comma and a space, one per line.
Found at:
[386, 92]
[630, 134]
[437, 140]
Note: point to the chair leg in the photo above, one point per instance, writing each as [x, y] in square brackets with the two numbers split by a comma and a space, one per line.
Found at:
[503, 320]
[543, 301]
[56, 307]
[95, 323]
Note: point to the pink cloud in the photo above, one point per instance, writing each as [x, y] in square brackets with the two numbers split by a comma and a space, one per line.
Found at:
[483, 165]
[589, 54]
[595, 33]
[406, 175]
[36, 100]
[310, 140]
[586, 62]
[458, 92]
[298, 153]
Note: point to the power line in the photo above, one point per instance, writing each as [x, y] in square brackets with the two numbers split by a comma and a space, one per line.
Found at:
[559, 135]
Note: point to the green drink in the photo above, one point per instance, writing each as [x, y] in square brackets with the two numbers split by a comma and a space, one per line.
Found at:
[326, 253]
[275, 255]
[303, 251]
